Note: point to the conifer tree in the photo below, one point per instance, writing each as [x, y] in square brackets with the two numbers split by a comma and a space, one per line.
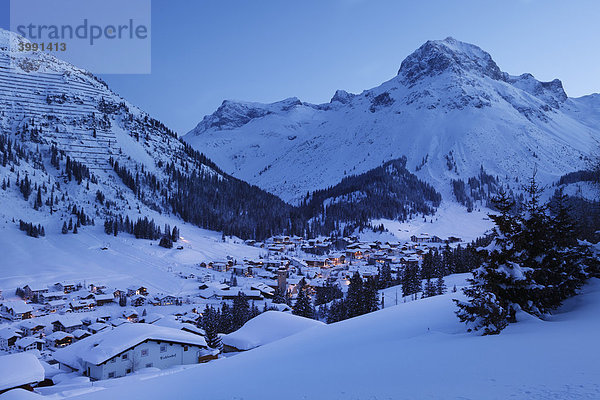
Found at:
[303, 306]
[210, 323]
[499, 284]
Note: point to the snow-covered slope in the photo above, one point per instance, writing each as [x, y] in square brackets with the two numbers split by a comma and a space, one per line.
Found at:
[450, 110]
[53, 114]
[416, 350]
[266, 328]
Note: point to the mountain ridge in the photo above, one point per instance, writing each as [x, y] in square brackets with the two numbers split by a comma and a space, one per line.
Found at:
[449, 99]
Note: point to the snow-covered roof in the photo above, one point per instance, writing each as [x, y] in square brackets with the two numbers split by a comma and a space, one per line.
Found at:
[8, 333]
[102, 346]
[266, 328]
[171, 322]
[58, 335]
[19, 369]
[18, 306]
[68, 321]
[98, 326]
[79, 333]
[32, 323]
[36, 287]
[27, 341]
[103, 297]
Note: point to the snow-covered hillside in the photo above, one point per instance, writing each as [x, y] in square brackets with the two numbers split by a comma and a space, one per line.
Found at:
[416, 350]
[450, 110]
[62, 134]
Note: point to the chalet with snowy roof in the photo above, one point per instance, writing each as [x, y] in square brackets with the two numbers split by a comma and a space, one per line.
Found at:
[119, 321]
[20, 371]
[97, 327]
[67, 287]
[215, 285]
[137, 290]
[103, 299]
[137, 300]
[59, 339]
[66, 324]
[55, 305]
[30, 343]
[131, 347]
[82, 305]
[130, 315]
[264, 289]
[242, 270]
[425, 238]
[33, 291]
[79, 334]
[320, 262]
[221, 265]
[250, 294]
[17, 310]
[53, 295]
[336, 259]
[8, 338]
[32, 327]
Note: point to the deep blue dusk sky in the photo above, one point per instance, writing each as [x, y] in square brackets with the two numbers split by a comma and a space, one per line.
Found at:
[207, 51]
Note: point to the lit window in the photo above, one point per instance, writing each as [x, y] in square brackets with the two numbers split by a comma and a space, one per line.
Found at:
[185, 348]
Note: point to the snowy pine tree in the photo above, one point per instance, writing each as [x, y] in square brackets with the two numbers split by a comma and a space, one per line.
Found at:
[303, 306]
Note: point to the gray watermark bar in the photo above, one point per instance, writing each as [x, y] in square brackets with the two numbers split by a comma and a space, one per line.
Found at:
[103, 37]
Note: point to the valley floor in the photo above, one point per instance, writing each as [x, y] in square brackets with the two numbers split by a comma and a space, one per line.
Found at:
[416, 350]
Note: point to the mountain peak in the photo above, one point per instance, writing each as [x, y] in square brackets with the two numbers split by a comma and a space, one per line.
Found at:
[438, 56]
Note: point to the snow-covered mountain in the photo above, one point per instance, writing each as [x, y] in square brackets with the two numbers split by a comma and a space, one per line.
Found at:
[450, 110]
[59, 122]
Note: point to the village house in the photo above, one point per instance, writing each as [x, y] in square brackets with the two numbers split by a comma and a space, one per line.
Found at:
[30, 343]
[250, 294]
[137, 300]
[8, 338]
[59, 339]
[55, 305]
[264, 289]
[97, 327]
[103, 299]
[221, 266]
[320, 262]
[45, 298]
[33, 291]
[79, 334]
[32, 327]
[67, 287]
[130, 315]
[20, 371]
[425, 238]
[242, 270]
[17, 310]
[165, 300]
[137, 291]
[119, 321]
[132, 347]
[66, 324]
[82, 305]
